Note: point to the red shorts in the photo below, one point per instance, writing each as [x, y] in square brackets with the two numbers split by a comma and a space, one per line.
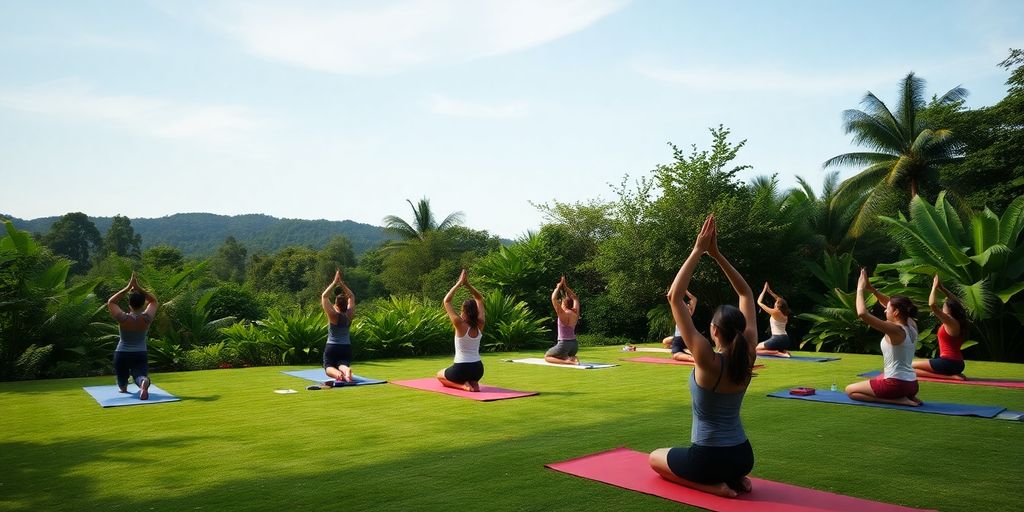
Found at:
[893, 388]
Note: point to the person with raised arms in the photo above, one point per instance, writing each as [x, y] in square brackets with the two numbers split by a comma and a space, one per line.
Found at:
[952, 334]
[567, 310]
[779, 343]
[675, 342]
[467, 369]
[338, 349]
[131, 357]
[897, 384]
[719, 457]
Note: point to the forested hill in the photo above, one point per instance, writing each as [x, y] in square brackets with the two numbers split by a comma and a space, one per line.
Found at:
[200, 234]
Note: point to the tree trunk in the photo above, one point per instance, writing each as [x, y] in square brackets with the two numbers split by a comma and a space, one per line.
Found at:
[913, 188]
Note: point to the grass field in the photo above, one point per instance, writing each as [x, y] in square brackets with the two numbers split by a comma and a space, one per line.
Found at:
[232, 444]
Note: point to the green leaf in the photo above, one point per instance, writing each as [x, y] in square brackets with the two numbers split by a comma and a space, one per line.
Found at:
[1008, 292]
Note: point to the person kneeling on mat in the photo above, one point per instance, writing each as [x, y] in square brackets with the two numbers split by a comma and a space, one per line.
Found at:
[779, 343]
[897, 384]
[467, 370]
[568, 312]
[952, 334]
[131, 355]
[338, 349]
[675, 342]
[720, 456]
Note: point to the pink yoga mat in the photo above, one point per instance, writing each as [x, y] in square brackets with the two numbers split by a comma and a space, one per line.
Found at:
[666, 360]
[630, 469]
[486, 393]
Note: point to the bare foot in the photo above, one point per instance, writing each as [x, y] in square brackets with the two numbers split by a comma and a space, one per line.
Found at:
[907, 401]
[784, 354]
[722, 490]
[144, 389]
[122, 390]
[467, 387]
[916, 400]
[746, 485]
[960, 376]
[475, 385]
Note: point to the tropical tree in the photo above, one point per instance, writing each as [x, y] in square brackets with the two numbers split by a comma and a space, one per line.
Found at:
[121, 239]
[982, 259]
[829, 216]
[74, 236]
[423, 222]
[904, 152]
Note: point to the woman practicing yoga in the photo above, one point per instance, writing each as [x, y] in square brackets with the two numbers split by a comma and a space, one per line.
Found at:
[131, 355]
[675, 342]
[338, 350]
[778, 344]
[897, 384]
[467, 369]
[952, 333]
[568, 311]
[720, 457]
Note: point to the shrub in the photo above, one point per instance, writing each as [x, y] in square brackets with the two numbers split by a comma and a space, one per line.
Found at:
[402, 326]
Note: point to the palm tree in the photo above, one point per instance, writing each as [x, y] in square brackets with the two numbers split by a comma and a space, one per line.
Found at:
[423, 222]
[906, 153]
[829, 216]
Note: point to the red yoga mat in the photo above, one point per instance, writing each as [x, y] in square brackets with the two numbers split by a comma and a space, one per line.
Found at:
[630, 469]
[666, 360]
[486, 393]
[971, 381]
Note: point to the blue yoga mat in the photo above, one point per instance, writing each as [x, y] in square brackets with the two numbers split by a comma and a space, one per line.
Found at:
[838, 397]
[109, 396]
[318, 375]
[805, 359]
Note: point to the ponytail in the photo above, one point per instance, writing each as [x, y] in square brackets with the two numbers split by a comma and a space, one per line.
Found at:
[731, 327]
[472, 313]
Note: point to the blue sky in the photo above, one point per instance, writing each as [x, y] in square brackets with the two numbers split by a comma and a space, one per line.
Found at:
[342, 110]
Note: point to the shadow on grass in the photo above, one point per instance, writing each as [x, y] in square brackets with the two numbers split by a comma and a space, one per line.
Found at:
[50, 476]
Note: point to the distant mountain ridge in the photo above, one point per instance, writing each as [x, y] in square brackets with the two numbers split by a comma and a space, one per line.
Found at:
[200, 234]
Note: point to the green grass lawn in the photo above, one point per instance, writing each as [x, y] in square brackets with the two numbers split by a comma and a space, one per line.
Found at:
[232, 444]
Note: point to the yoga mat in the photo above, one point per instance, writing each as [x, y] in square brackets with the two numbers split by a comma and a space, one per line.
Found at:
[540, 361]
[838, 397]
[109, 396]
[630, 469]
[486, 393]
[647, 349]
[805, 359]
[999, 383]
[318, 375]
[667, 360]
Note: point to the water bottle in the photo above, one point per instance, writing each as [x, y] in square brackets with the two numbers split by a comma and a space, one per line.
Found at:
[834, 387]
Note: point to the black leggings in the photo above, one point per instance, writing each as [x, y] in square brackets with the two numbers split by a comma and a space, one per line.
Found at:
[461, 373]
[712, 464]
[134, 363]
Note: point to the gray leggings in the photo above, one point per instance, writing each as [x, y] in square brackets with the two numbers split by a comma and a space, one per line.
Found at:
[564, 349]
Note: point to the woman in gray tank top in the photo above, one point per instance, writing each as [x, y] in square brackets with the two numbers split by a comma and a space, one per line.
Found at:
[719, 457]
[338, 349]
[131, 355]
[567, 311]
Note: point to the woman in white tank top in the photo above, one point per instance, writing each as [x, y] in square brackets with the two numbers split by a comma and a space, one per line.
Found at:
[467, 369]
[898, 383]
[778, 344]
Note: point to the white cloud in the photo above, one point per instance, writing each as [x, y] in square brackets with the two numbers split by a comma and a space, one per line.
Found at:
[391, 36]
[459, 108]
[75, 100]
